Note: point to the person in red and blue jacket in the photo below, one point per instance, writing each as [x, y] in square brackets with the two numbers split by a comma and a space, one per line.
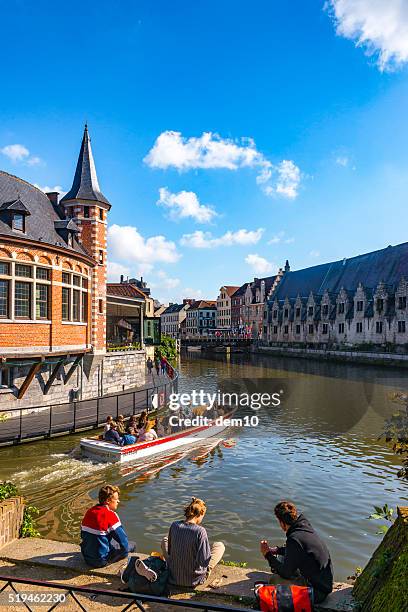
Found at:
[104, 540]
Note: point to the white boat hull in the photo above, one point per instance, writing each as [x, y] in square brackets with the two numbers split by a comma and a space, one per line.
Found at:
[99, 450]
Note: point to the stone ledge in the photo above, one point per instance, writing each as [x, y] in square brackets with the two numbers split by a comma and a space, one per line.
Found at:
[234, 582]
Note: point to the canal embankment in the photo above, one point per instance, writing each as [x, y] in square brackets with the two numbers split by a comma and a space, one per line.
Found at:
[337, 356]
[62, 561]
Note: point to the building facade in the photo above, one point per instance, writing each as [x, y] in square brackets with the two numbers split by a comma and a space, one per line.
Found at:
[248, 303]
[355, 301]
[201, 318]
[224, 313]
[53, 290]
[172, 319]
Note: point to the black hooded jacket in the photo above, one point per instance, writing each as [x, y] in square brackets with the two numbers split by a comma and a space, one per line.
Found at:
[304, 551]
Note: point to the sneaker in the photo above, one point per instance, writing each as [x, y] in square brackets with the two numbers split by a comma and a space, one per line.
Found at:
[145, 571]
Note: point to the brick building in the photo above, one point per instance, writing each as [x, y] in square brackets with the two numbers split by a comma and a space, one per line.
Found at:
[53, 290]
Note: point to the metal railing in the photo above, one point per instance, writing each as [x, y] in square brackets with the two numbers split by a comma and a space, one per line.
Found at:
[57, 594]
[32, 423]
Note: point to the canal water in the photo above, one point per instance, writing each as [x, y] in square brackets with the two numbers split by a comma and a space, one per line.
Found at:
[319, 448]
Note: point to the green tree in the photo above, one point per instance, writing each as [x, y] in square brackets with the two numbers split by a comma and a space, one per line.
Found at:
[396, 431]
[167, 349]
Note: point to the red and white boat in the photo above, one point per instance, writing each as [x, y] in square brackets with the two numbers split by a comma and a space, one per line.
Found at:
[99, 450]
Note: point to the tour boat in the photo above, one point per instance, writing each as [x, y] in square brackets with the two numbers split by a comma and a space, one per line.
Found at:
[99, 450]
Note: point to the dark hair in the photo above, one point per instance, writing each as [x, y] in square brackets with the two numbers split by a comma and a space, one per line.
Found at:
[286, 512]
[142, 422]
[106, 493]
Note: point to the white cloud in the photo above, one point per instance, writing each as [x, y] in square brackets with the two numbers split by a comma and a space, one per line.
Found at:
[195, 294]
[342, 160]
[379, 26]
[15, 152]
[165, 281]
[288, 179]
[115, 270]
[280, 238]
[127, 244]
[34, 161]
[205, 240]
[314, 253]
[173, 150]
[259, 264]
[19, 153]
[185, 204]
[47, 189]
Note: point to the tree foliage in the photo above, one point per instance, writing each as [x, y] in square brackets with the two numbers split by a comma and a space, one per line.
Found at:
[167, 348]
[396, 432]
[8, 489]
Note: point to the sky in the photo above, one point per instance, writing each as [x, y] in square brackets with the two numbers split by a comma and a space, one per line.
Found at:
[228, 136]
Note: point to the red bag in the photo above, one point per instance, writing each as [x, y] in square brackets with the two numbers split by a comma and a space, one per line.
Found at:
[284, 598]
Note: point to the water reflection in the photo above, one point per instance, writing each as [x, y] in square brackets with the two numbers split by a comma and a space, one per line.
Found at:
[319, 448]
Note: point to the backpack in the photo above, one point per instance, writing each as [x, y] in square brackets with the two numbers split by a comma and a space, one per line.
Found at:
[140, 584]
[283, 598]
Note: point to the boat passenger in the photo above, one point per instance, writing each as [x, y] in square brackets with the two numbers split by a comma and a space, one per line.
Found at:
[187, 550]
[107, 426]
[132, 423]
[142, 422]
[113, 436]
[148, 434]
[304, 552]
[158, 427]
[130, 437]
[101, 529]
[120, 421]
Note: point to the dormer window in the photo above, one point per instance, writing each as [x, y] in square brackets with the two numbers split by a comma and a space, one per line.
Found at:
[67, 229]
[14, 213]
[18, 222]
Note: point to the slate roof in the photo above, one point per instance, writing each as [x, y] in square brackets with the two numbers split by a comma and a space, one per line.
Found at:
[202, 304]
[242, 289]
[174, 308]
[40, 225]
[85, 185]
[124, 290]
[16, 206]
[66, 224]
[388, 265]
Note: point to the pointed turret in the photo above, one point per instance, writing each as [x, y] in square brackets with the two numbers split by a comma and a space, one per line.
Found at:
[85, 185]
[287, 266]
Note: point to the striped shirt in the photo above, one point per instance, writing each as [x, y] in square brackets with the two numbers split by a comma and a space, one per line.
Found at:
[189, 554]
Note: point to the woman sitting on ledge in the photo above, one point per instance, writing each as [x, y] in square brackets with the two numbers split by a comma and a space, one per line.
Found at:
[187, 550]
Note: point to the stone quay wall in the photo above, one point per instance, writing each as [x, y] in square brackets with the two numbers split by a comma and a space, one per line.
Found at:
[355, 356]
[11, 519]
[95, 376]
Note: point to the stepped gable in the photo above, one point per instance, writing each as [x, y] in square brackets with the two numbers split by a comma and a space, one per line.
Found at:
[388, 265]
[42, 215]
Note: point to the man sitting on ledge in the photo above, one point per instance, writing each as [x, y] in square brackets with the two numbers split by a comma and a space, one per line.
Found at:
[304, 553]
[104, 540]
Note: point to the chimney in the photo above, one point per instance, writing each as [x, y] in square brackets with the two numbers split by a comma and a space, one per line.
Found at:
[287, 266]
[121, 278]
[53, 197]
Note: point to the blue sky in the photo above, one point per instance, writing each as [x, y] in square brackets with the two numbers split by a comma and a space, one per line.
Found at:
[268, 130]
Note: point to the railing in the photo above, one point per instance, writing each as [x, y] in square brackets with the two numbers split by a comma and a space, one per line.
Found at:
[27, 424]
[57, 594]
